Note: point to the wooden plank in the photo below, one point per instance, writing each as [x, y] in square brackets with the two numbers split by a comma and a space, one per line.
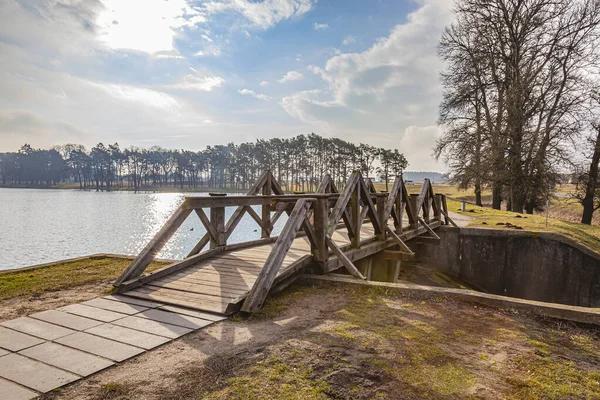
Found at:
[189, 302]
[208, 281]
[141, 262]
[169, 269]
[183, 295]
[342, 257]
[216, 291]
[242, 282]
[263, 284]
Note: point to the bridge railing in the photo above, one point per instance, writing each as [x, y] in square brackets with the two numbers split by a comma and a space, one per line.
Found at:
[316, 215]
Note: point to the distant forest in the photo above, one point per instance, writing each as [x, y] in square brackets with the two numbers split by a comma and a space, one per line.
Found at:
[298, 163]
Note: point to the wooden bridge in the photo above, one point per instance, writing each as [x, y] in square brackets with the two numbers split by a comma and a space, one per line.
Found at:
[325, 231]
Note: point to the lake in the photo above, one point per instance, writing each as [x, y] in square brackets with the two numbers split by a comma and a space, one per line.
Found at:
[44, 225]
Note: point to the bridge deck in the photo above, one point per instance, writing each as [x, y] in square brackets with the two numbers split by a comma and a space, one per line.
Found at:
[222, 282]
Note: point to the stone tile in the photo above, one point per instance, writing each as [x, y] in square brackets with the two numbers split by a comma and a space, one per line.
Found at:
[33, 374]
[15, 341]
[174, 319]
[4, 352]
[66, 358]
[193, 313]
[125, 335]
[131, 300]
[92, 312]
[65, 319]
[116, 306]
[12, 391]
[100, 346]
[37, 328]
[153, 327]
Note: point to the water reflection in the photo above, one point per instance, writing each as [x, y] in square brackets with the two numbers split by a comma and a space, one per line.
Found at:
[38, 226]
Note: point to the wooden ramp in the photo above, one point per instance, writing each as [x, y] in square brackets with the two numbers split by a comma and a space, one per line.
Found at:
[221, 284]
[328, 229]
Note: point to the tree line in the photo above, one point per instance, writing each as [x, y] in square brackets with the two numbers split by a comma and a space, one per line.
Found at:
[519, 99]
[299, 163]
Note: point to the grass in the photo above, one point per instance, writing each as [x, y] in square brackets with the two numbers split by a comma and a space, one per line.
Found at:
[377, 343]
[586, 235]
[62, 276]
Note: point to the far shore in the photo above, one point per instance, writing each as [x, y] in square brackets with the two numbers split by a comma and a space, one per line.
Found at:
[144, 188]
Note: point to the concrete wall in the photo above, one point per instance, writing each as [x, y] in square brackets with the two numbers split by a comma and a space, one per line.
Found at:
[535, 266]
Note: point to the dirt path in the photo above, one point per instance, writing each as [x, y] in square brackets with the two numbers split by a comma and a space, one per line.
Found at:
[342, 342]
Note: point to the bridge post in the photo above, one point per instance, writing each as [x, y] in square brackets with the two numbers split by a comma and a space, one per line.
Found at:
[266, 208]
[413, 204]
[438, 201]
[217, 218]
[381, 197]
[320, 251]
[355, 216]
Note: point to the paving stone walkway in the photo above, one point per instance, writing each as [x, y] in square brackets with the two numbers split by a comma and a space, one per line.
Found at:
[49, 349]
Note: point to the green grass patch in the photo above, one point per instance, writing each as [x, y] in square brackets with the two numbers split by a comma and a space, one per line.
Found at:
[586, 235]
[63, 276]
[274, 378]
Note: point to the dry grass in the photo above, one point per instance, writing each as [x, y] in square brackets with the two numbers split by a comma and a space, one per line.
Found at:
[63, 276]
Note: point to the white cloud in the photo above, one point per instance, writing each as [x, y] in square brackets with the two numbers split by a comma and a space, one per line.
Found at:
[264, 83]
[291, 76]
[252, 93]
[385, 90]
[348, 40]
[200, 82]
[266, 13]
[318, 27]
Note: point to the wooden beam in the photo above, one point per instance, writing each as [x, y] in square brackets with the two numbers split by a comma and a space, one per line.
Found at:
[217, 218]
[342, 202]
[350, 267]
[141, 262]
[200, 245]
[320, 218]
[448, 219]
[264, 281]
[365, 195]
[210, 229]
[422, 195]
[398, 255]
[399, 241]
[391, 199]
[266, 208]
[428, 228]
[355, 216]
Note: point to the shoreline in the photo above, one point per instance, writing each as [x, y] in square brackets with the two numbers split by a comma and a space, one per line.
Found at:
[144, 189]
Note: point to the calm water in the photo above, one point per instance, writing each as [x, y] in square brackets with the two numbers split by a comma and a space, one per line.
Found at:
[44, 225]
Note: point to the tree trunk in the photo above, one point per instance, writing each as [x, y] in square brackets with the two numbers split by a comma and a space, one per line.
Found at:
[590, 188]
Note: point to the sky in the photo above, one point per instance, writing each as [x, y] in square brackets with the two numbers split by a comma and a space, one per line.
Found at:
[185, 74]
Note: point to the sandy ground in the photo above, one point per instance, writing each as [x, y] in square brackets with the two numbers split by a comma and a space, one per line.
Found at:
[340, 342]
[23, 305]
